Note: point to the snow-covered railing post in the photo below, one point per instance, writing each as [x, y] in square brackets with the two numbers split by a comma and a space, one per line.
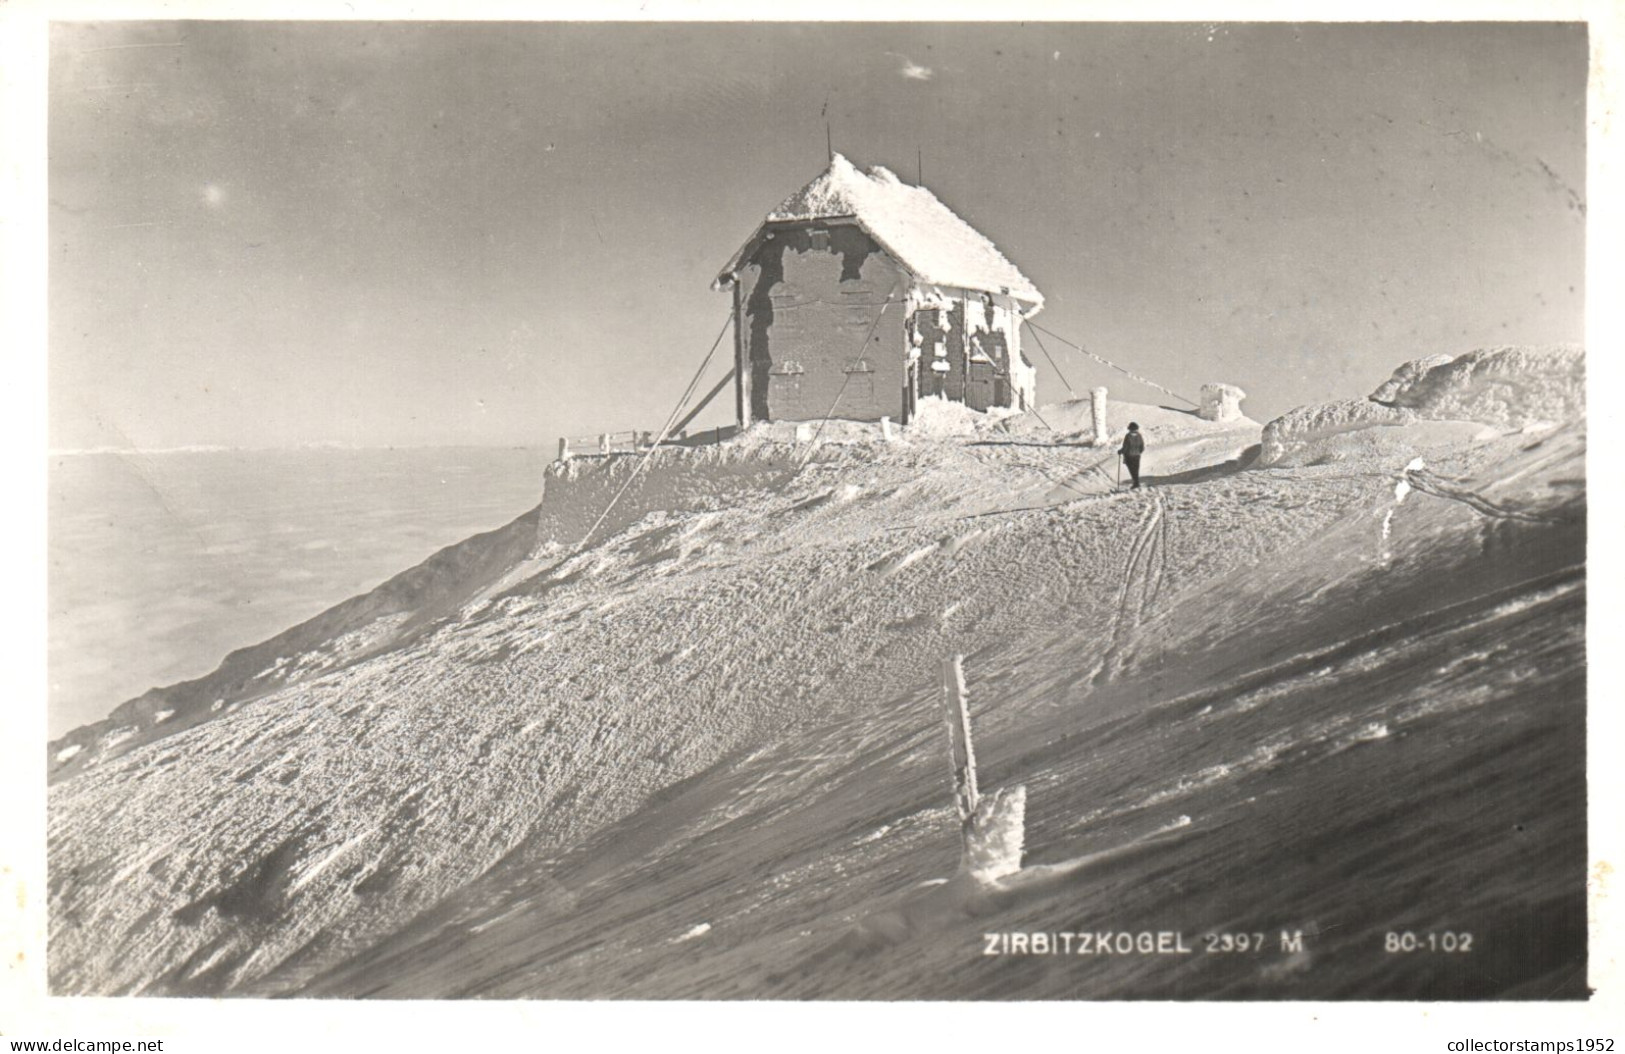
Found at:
[1221, 402]
[992, 829]
[603, 443]
[1097, 409]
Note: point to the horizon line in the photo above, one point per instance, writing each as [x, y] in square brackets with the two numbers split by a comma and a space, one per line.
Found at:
[208, 448]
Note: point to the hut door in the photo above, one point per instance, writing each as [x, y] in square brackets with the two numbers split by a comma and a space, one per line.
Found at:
[979, 385]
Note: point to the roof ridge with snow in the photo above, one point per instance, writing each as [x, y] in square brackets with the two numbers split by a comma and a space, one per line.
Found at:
[911, 223]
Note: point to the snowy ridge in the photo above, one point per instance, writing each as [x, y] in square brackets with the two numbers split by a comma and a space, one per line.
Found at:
[1437, 402]
[1510, 386]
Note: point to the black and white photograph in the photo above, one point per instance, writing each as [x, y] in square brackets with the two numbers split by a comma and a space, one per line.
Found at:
[819, 509]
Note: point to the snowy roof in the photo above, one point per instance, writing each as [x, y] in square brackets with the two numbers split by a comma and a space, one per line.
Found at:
[919, 232]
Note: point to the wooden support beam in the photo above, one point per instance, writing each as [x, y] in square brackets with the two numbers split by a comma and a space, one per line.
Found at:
[712, 394]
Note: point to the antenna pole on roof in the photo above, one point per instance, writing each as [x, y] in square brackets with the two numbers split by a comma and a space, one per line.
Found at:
[919, 167]
[829, 142]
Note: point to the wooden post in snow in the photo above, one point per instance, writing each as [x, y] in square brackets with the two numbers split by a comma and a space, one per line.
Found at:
[992, 829]
[957, 711]
[564, 448]
[1097, 411]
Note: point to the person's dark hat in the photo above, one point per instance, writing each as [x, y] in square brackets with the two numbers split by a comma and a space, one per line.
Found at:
[1132, 427]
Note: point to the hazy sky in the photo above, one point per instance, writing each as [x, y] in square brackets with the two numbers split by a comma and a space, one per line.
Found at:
[398, 233]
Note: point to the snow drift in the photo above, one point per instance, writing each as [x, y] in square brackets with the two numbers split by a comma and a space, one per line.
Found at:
[1436, 402]
[1405, 375]
[1508, 386]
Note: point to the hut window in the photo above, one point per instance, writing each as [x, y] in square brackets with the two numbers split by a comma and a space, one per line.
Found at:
[820, 240]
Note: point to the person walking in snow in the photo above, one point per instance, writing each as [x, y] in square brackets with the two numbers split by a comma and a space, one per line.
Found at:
[1133, 446]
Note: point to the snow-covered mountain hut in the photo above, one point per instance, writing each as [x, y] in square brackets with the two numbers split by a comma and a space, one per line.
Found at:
[861, 294]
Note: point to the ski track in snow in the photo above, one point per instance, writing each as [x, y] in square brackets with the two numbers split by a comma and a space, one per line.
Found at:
[1140, 585]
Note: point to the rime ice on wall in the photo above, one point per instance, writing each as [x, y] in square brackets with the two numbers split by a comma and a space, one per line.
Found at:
[928, 344]
[821, 327]
[1024, 380]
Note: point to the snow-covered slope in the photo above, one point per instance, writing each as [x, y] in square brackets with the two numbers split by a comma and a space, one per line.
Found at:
[700, 754]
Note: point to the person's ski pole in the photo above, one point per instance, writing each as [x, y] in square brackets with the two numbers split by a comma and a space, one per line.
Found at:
[1119, 468]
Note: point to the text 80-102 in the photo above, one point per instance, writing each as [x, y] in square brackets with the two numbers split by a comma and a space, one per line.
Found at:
[1442, 941]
